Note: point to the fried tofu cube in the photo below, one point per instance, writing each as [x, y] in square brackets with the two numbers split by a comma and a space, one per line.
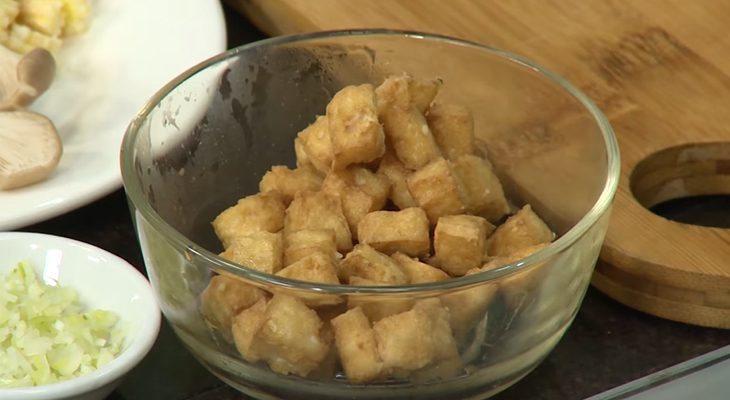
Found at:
[483, 192]
[290, 337]
[521, 230]
[417, 271]
[262, 251]
[366, 262]
[246, 325]
[468, 306]
[288, 182]
[356, 133]
[250, 214]
[404, 125]
[516, 287]
[305, 242]
[391, 231]
[376, 308]
[446, 360]
[404, 340]
[315, 143]
[459, 242]
[319, 210]
[452, 127]
[437, 190]
[223, 298]
[396, 173]
[355, 342]
[422, 92]
[316, 268]
[359, 190]
[302, 158]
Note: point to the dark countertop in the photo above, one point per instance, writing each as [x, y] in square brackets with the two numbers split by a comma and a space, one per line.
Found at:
[607, 345]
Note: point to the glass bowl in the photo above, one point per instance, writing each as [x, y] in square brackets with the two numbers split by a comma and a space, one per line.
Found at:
[205, 140]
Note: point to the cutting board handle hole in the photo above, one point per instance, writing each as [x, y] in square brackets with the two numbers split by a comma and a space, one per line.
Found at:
[691, 176]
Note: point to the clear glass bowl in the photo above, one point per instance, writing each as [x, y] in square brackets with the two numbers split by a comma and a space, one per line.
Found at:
[204, 141]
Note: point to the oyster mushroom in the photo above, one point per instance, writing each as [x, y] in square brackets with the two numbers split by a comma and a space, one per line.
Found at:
[30, 148]
[24, 78]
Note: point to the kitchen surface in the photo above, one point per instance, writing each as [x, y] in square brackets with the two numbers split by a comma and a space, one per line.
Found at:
[607, 345]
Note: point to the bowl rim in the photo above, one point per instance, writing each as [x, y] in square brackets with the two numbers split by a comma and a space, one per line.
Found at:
[138, 348]
[599, 208]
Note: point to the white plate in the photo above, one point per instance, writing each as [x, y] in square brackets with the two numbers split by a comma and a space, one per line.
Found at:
[105, 76]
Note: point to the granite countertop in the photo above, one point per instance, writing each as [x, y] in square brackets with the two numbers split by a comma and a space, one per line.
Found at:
[607, 345]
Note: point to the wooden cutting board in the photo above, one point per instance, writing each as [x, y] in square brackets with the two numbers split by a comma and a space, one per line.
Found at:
[660, 71]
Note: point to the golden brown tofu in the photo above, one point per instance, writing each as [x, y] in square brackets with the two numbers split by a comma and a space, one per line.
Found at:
[366, 262]
[223, 298]
[354, 129]
[250, 214]
[355, 342]
[446, 360]
[521, 230]
[246, 325]
[290, 338]
[261, 251]
[396, 173]
[377, 308]
[315, 268]
[303, 160]
[483, 192]
[404, 341]
[459, 242]
[316, 144]
[468, 306]
[391, 231]
[422, 92]
[288, 182]
[359, 190]
[404, 125]
[437, 190]
[452, 127]
[417, 271]
[518, 286]
[319, 210]
[303, 243]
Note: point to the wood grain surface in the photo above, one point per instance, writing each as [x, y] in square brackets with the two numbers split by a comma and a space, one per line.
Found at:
[660, 71]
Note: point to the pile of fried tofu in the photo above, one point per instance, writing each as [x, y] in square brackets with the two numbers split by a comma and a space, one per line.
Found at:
[389, 190]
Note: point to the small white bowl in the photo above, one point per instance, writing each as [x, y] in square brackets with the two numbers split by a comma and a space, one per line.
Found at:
[102, 280]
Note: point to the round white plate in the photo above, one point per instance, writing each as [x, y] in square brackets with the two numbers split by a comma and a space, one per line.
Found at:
[104, 77]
